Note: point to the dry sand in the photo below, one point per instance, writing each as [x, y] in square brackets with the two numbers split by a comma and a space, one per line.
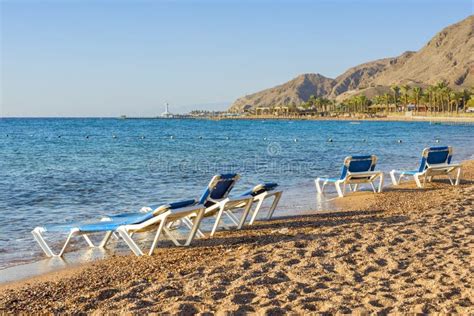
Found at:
[405, 250]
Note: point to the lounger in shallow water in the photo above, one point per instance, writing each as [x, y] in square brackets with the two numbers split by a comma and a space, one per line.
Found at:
[435, 161]
[356, 170]
[125, 225]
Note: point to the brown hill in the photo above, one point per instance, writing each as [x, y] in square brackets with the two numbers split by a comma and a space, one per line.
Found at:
[295, 91]
[448, 56]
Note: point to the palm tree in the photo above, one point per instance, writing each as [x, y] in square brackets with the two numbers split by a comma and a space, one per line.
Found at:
[417, 93]
[387, 100]
[405, 90]
[396, 91]
[441, 93]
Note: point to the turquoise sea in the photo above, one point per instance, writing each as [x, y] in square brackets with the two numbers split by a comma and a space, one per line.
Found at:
[59, 170]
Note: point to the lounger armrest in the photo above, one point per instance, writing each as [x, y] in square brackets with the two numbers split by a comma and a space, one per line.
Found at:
[364, 173]
[444, 166]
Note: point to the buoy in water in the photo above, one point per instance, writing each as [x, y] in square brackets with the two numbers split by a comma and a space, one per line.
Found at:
[399, 141]
[227, 137]
[200, 137]
[142, 137]
[172, 137]
[295, 140]
[87, 136]
[329, 140]
[264, 138]
[59, 136]
[113, 136]
[437, 140]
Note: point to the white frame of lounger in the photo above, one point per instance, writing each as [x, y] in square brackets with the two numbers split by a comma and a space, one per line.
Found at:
[259, 198]
[126, 231]
[220, 208]
[355, 178]
[442, 169]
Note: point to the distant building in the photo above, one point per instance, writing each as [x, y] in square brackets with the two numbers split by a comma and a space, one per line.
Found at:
[167, 113]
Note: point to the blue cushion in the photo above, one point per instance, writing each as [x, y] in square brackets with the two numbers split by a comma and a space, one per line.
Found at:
[358, 164]
[259, 189]
[222, 188]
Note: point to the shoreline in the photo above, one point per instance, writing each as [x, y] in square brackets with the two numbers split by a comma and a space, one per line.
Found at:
[404, 250]
[391, 118]
[435, 119]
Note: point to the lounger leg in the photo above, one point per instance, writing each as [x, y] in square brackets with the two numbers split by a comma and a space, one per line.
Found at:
[195, 229]
[256, 210]
[417, 180]
[157, 236]
[106, 239]
[190, 225]
[232, 217]
[394, 179]
[248, 206]
[171, 237]
[129, 241]
[373, 187]
[458, 176]
[338, 188]
[450, 180]
[381, 183]
[218, 219]
[42, 243]
[89, 242]
[274, 205]
[355, 187]
[318, 188]
[60, 254]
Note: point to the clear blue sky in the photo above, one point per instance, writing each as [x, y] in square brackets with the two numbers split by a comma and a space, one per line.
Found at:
[107, 58]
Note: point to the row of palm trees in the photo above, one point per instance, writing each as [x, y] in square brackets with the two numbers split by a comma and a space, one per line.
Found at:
[437, 98]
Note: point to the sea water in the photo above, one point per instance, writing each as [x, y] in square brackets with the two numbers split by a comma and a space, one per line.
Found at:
[62, 170]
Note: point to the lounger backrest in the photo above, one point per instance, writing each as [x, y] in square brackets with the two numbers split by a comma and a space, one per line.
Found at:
[259, 189]
[435, 156]
[358, 164]
[219, 188]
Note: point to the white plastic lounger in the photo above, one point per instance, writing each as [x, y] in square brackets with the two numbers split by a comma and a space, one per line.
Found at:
[435, 161]
[125, 225]
[215, 199]
[356, 170]
[260, 193]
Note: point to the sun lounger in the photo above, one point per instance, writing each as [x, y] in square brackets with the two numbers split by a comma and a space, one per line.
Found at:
[435, 161]
[259, 193]
[125, 225]
[356, 170]
[215, 199]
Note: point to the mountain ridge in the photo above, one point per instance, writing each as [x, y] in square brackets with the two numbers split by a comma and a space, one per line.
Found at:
[447, 56]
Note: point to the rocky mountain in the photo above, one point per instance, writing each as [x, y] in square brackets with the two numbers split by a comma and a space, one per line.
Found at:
[295, 91]
[448, 56]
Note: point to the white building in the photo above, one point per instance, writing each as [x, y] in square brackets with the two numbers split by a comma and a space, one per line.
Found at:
[166, 113]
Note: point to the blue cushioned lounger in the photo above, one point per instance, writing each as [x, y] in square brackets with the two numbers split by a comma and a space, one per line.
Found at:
[125, 225]
[435, 161]
[356, 170]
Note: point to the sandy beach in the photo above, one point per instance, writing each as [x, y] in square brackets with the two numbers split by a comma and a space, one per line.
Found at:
[404, 250]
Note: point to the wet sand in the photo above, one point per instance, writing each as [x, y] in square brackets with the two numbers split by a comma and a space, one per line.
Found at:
[404, 250]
